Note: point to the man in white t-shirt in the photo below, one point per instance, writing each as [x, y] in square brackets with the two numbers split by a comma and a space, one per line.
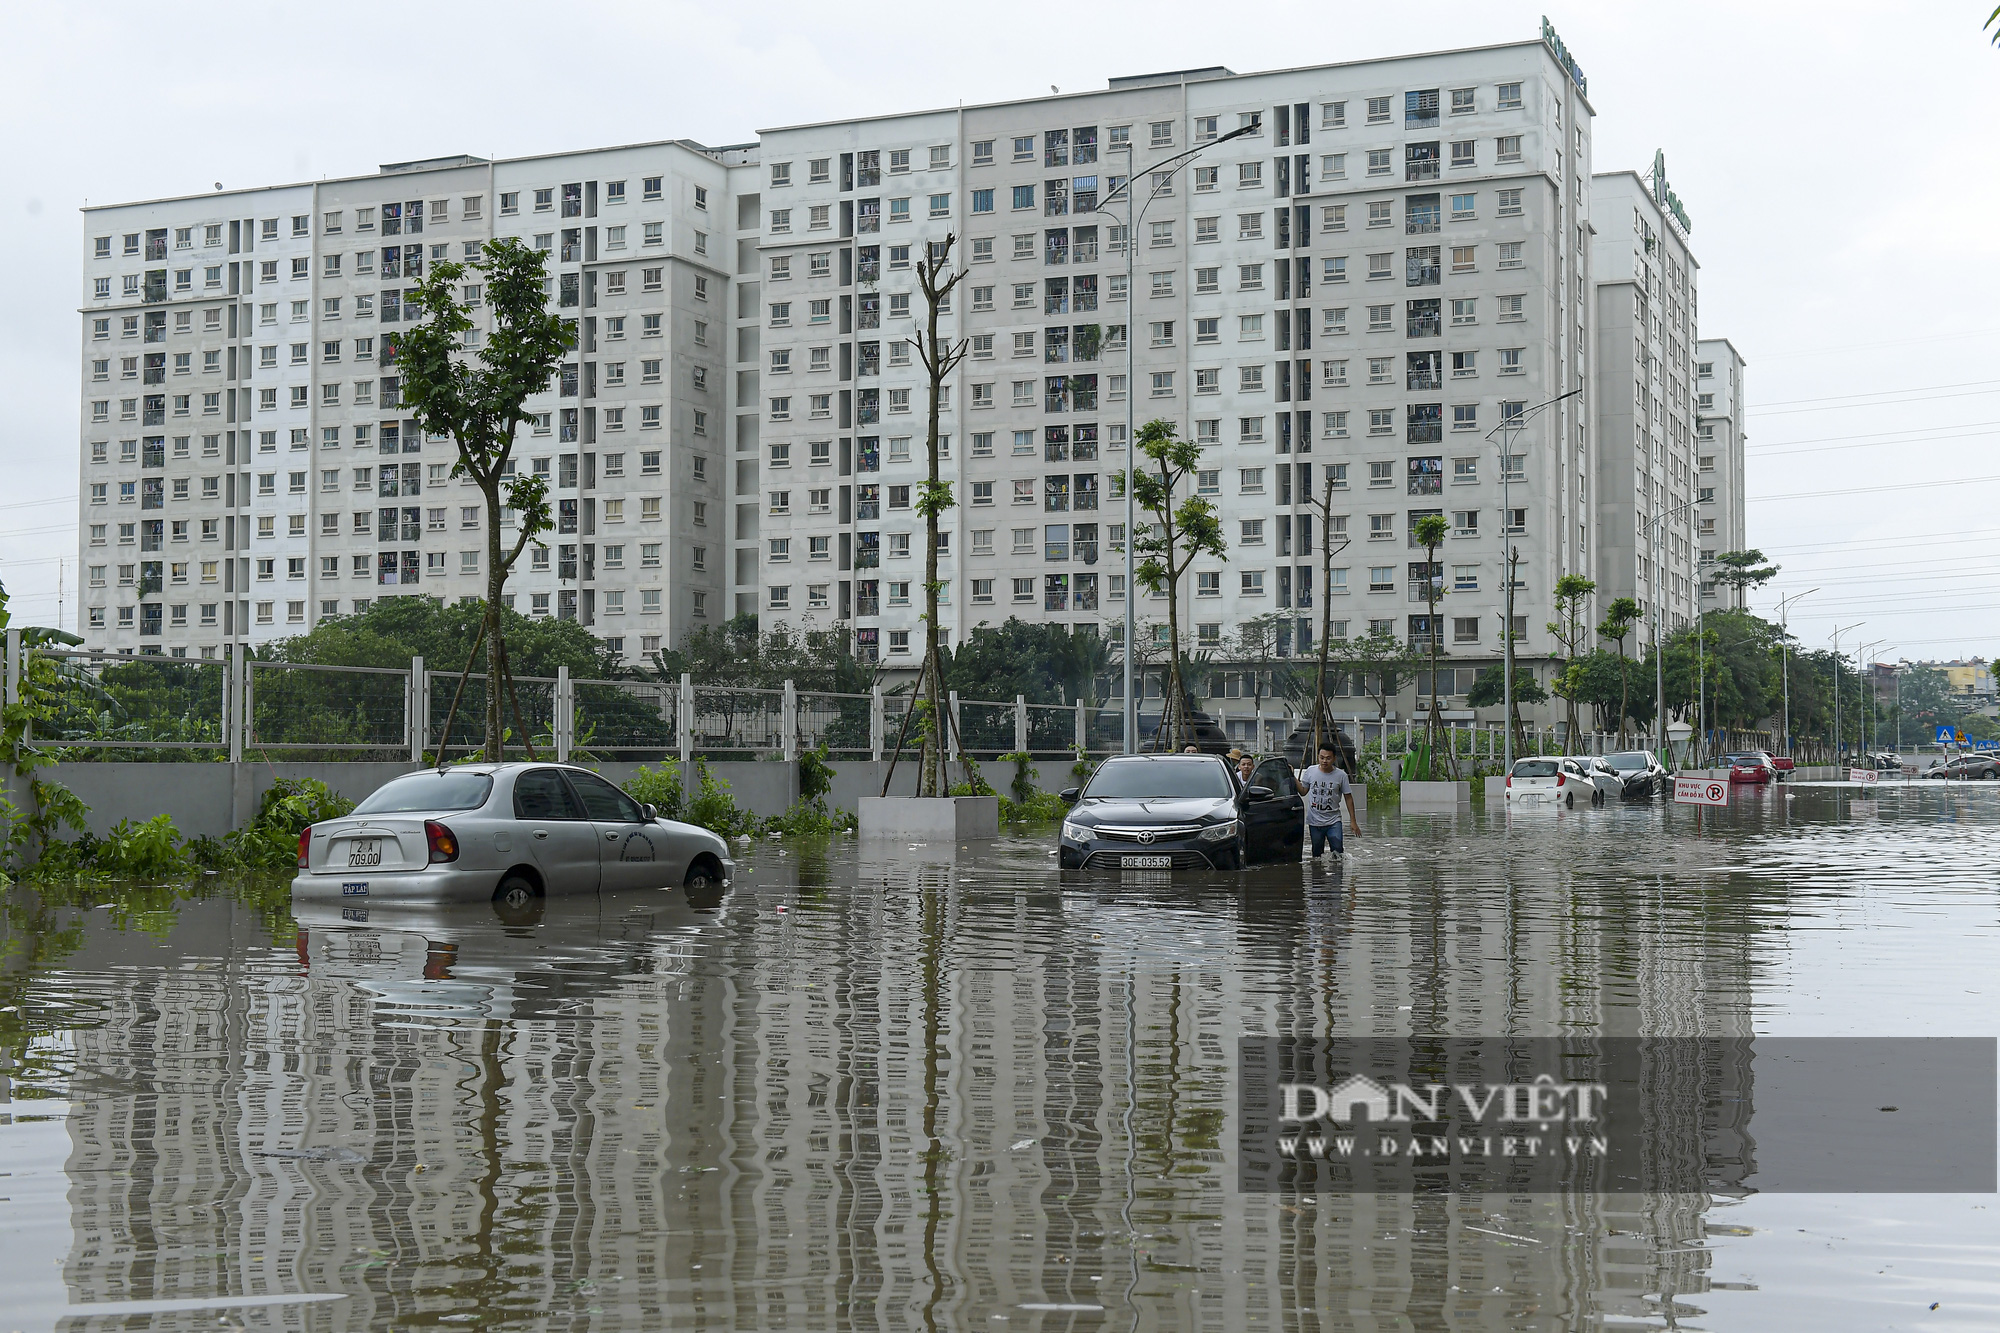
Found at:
[1325, 784]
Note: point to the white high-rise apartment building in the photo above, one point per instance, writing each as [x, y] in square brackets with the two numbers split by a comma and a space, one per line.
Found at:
[1719, 438]
[1644, 400]
[247, 467]
[1357, 290]
[1395, 259]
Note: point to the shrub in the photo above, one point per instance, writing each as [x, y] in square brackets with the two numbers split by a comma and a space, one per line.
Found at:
[271, 842]
[659, 788]
[714, 809]
[151, 850]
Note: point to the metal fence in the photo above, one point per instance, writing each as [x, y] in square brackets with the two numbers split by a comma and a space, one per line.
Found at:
[107, 701]
[533, 725]
[336, 712]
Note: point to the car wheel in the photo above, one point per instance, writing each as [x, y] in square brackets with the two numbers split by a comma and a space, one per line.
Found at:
[1570, 800]
[517, 902]
[703, 876]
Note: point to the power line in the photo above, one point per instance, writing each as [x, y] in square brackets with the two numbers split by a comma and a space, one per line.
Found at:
[1872, 490]
[1879, 393]
[1913, 396]
[1877, 443]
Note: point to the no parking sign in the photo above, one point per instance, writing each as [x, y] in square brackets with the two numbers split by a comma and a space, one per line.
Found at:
[1701, 791]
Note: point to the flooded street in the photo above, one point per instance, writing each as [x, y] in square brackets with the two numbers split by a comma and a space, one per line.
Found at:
[913, 1087]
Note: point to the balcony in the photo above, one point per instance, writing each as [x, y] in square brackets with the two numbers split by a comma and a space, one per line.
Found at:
[156, 249]
[1424, 380]
[1084, 553]
[868, 604]
[1426, 326]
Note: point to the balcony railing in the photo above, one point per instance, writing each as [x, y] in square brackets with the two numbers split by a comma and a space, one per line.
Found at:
[1425, 379]
[1426, 326]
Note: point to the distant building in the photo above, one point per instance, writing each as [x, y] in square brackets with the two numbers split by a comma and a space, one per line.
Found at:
[1719, 440]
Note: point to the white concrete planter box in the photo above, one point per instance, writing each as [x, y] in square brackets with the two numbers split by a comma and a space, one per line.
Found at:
[1496, 788]
[930, 818]
[1419, 797]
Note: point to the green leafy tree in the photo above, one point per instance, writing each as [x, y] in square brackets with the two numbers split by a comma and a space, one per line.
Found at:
[1176, 537]
[1430, 532]
[476, 397]
[1740, 571]
[1925, 702]
[1487, 690]
[1617, 623]
[1572, 597]
[1379, 666]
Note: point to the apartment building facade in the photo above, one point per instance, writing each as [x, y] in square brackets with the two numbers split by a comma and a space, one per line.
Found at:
[249, 469]
[1343, 304]
[1644, 401]
[1719, 438]
[1271, 302]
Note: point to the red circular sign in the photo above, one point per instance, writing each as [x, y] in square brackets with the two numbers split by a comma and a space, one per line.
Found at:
[1715, 791]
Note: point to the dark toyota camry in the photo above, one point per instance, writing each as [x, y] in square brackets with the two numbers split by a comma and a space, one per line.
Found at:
[1175, 812]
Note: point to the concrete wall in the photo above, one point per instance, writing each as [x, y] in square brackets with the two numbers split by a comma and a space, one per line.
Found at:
[212, 799]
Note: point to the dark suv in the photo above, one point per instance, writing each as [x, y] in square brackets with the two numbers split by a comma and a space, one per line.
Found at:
[1181, 812]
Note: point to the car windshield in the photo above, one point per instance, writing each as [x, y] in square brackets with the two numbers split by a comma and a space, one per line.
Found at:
[1743, 759]
[1626, 763]
[1160, 779]
[428, 791]
[1534, 768]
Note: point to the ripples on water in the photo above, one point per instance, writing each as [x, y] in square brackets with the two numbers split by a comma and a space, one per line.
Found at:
[906, 1088]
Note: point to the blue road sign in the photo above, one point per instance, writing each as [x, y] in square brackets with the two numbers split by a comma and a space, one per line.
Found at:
[1944, 735]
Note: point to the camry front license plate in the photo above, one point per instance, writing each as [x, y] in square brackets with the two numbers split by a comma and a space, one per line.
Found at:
[364, 852]
[1146, 862]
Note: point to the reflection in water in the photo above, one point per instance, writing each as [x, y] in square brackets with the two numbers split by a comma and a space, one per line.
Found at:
[932, 1091]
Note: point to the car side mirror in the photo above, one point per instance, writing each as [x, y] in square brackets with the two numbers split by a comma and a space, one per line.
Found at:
[1259, 793]
[1069, 795]
[647, 814]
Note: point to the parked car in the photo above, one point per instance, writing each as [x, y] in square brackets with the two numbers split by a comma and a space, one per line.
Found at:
[505, 832]
[1750, 766]
[1970, 767]
[1180, 812]
[1640, 772]
[1604, 781]
[1782, 767]
[1549, 780]
[1881, 763]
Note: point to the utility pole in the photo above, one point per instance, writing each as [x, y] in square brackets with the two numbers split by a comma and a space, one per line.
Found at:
[1131, 720]
[1836, 686]
[1862, 695]
[1509, 430]
[1785, 659]
[1659, 527]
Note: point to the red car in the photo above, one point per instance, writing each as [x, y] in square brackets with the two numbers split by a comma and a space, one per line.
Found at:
[1750, 766]
[1781, 764]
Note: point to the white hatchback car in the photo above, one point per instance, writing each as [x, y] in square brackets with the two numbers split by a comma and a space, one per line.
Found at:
[502, 832]
[1554, 780]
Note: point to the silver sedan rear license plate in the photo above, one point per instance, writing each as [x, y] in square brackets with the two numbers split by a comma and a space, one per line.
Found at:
[1146, 862]
[364, 852]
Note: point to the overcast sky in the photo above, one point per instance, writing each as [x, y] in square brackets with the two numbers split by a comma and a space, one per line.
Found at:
[1837, 160]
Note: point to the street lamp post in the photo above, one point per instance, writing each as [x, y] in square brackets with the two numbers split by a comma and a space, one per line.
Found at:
[1509, 430]
[1131, 719]
[1785, 658]
[1861, 695]
[1836, 685]
[1659, 525]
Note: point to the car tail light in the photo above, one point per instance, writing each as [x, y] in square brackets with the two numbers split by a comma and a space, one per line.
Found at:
[1561, 778]
[444, 844]
[305, 845]
[1510, 779]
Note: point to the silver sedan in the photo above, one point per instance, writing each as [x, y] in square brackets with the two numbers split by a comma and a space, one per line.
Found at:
[503, 832]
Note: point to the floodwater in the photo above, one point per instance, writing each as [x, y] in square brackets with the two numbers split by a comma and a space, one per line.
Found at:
[919, 1087]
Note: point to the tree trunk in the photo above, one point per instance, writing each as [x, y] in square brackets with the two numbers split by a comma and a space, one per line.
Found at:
[1172, 717]
[496, 651]
[1624, 692]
